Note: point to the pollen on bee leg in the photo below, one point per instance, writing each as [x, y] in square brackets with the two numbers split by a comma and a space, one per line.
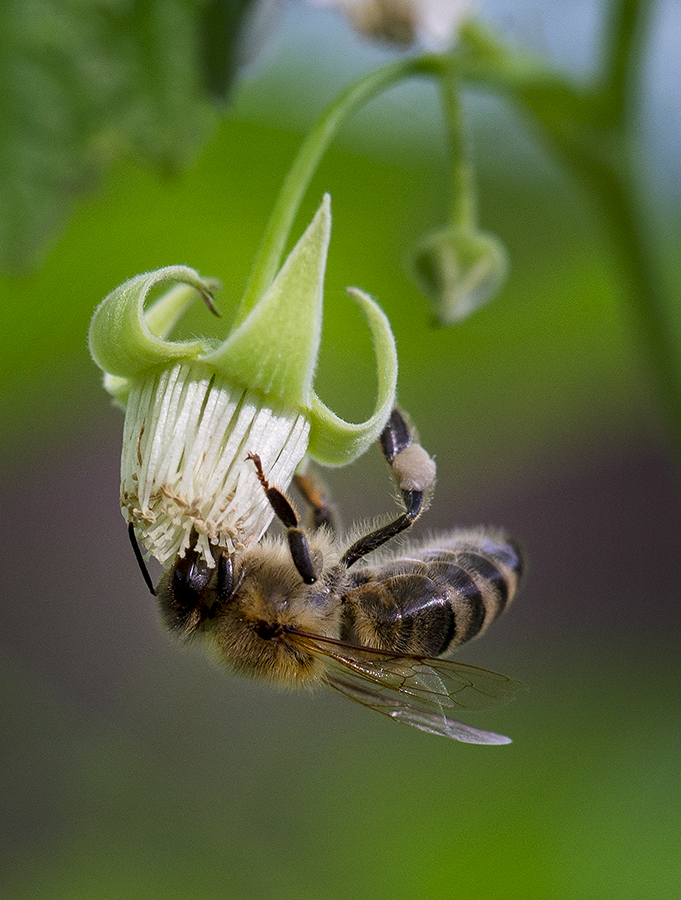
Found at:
[414, 469]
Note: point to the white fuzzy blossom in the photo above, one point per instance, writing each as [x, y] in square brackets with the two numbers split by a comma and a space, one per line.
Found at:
[184, 468]
[433, 24]
[197, 411]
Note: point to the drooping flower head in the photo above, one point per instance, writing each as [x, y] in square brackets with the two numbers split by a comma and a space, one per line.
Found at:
[196, 409]
[460, 270]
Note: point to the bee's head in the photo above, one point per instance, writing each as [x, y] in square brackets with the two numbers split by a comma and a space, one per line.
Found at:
[252, 621]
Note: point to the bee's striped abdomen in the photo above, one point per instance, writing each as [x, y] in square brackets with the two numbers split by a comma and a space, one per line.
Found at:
[437, 597]
[482, 571]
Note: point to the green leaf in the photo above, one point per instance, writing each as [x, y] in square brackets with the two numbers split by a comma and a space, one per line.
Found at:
[82, 83]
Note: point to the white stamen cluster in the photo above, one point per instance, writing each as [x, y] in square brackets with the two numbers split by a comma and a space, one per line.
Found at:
[184, 467]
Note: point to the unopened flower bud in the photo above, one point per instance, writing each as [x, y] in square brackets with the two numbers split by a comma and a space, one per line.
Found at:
[460, 271]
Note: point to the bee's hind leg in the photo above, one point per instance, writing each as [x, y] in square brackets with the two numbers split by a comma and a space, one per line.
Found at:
[414, 472]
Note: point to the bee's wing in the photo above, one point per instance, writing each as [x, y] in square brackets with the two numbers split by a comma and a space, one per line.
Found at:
[416, 690]
[409, 712]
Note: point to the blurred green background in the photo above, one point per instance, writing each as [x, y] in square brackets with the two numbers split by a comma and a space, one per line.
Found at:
[134, 768]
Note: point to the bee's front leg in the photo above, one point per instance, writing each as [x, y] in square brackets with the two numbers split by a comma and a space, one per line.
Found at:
[284, 511]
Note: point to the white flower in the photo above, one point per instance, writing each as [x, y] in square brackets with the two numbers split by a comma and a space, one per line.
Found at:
[431, 23]
[195, 410]
[184, 467]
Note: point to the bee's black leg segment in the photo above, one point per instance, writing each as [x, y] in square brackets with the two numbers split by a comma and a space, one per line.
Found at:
[300, 554]
[313, 492]
[300, 551]
[140, 559]
[414, 503]
[396, 436]
[414, 472]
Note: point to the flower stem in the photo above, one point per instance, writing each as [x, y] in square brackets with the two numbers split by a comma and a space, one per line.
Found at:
[269, 256]
[590, 130]
[462, 199]
[647, 305]
[622, 56]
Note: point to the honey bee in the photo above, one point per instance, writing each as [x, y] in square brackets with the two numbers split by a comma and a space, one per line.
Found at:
[307, 611]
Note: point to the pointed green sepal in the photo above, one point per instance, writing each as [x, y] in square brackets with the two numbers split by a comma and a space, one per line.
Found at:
[335, 442]
[275, 348]
[125, 341]
[460, 270]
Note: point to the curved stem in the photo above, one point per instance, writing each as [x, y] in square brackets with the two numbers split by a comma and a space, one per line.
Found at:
[591, 131]
[269, 256]
[462, 197]
[647, 306]
[622, 58]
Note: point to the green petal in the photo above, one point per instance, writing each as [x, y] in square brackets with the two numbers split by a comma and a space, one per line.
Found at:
[122, 341]
[164, 313]
[118, 388]
[335, 442]
[275, 348]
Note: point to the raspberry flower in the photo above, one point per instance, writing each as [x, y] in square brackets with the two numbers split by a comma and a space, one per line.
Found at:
[195, 409]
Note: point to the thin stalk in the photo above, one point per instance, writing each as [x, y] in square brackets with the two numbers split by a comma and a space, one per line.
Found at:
[647, 306]
[591, 131]
[277, 231]
[622, 57]
[646, 303]
[607, 177]
[462, 196]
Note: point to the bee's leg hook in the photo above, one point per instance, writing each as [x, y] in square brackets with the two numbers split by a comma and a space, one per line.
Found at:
[297, 541]
[414, 471]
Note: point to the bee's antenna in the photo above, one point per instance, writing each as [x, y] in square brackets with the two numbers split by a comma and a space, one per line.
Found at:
[140, 559]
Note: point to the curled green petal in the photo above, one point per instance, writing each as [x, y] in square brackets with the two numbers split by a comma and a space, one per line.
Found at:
[274, 350]
[122, 342]
[335, 442]
[164, 313]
